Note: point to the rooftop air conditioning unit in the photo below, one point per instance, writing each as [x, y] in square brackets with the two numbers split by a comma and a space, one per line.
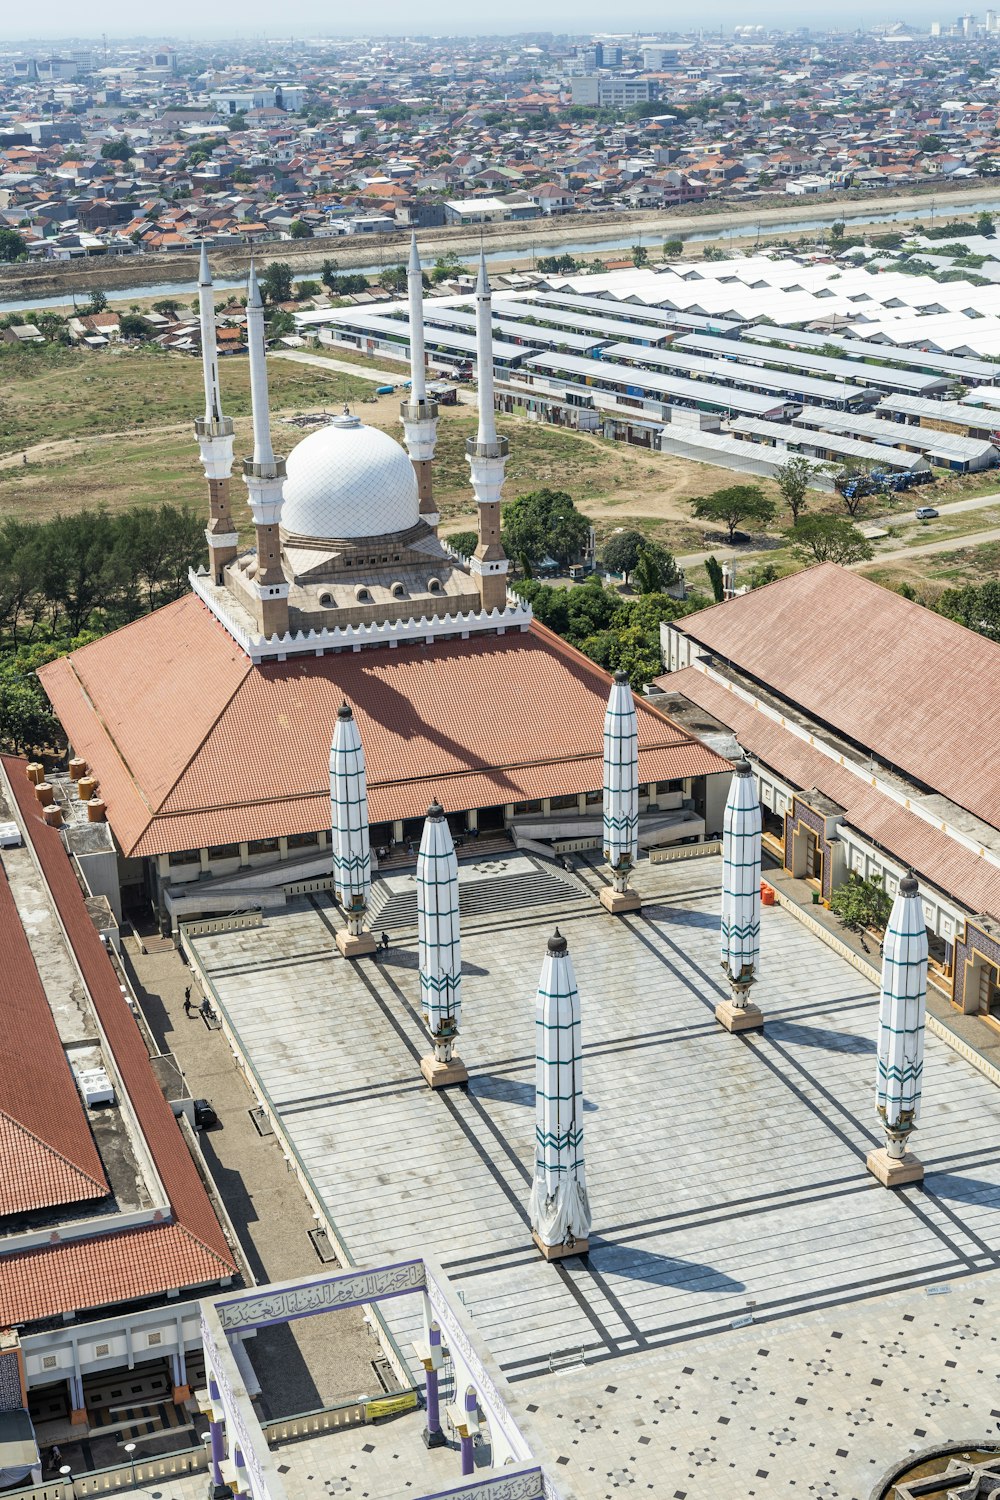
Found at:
[10, 836]
[95, 1086]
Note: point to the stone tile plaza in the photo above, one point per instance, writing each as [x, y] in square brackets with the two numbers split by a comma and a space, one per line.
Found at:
[749, 1287]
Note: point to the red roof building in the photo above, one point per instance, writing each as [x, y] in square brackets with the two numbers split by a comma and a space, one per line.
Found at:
[824, 679]
[54, 1262]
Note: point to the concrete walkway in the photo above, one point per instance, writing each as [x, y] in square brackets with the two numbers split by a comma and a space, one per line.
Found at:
[317, 1361]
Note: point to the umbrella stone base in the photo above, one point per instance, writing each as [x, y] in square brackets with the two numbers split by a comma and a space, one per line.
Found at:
[440, 1074]
[618, 901]
[354, 944]
[558, 1252]
[739, 1017]
[894, 1171]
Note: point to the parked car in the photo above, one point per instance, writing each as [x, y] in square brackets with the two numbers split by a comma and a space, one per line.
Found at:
[926, 513]
[204, 1115]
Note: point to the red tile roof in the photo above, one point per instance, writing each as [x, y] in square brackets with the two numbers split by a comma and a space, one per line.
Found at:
[121, 1265]
[47, 1153]
[864, 660]
[937, 858]
[89, 1273]
[221, 751]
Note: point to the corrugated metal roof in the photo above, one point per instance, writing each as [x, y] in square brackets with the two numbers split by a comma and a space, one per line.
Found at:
[884, 672]
[938, 859]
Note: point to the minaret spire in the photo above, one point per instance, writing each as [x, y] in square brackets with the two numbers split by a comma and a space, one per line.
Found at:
[209, 351]
[487, 434]
[487, 457]
[215, 436]
[419, 416]
[264, 477]
[263, 453]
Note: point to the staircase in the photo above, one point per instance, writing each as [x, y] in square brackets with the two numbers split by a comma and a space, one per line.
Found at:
[393, 903]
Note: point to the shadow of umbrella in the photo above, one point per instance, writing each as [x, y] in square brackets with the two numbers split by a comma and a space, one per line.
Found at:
[659, 1270]
[818, 1036]
[511, 1091]
[959, 1189]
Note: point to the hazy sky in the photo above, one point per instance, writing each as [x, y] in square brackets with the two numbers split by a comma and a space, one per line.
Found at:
[257, 18]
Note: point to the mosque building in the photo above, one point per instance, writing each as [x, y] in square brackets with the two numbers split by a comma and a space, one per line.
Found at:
[207, 724]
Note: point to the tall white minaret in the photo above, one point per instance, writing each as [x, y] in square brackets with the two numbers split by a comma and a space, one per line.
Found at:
[419, 416]
[215, 436]
[264, 477]
[487, 456]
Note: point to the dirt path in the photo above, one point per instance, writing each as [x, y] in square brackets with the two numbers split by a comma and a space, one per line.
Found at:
[927, 549]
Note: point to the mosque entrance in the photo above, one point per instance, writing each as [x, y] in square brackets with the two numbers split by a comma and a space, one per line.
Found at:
[989, 993]
[807, 856]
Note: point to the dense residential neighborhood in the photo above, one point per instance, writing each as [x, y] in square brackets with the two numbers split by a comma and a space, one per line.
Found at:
[123, 150]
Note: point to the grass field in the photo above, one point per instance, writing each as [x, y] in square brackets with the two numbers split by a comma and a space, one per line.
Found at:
[115, 428]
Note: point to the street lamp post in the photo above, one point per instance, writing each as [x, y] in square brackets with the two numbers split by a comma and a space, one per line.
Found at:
[130, 1450]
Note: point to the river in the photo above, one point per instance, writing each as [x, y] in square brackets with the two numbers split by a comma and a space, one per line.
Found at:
[536, 249]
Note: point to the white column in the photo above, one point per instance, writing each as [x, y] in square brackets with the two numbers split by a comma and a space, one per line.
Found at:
[418, 415]
[214, 432]
[440, 950]
[621, 794]
[349, 822]
[487, 458]
[742, 825]
[559, 1206]
[900, 1049]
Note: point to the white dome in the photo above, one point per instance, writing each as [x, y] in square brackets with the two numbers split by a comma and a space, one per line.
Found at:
[349, 480]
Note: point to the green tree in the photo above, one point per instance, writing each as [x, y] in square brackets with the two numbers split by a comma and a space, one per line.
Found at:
[12, 245]
[167, 307]
[737, 503]
[132, 326]
[977, 606]
[830, 539]
[673, 248]
[930, 143]
[984, 224]
[792, 479]
[655, 570]
[761, 574]
[640, 255]
[26, 722]
[589, 609]
[298, 229]
[544, 523]
[393, 279]
[97, 303]
[118, 150]
[550, 606]
[276, 282]
[464, 542]
[621, 553]
[713, 568]
[862, 904]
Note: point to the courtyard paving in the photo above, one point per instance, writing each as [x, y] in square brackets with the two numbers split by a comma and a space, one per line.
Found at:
[726, 1177]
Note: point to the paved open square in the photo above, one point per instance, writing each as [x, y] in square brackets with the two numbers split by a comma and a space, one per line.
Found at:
[726, 1175]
